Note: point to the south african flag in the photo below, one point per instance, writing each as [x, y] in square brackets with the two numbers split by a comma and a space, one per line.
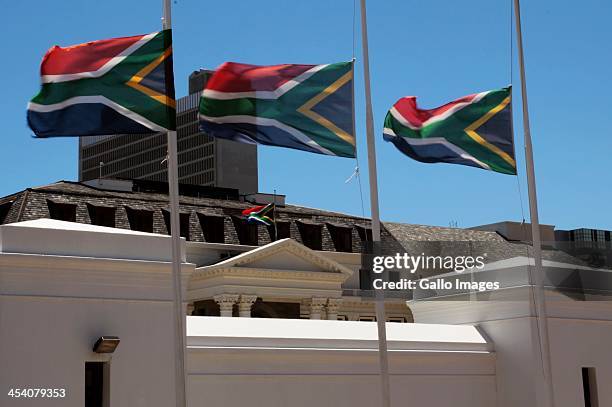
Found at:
[475, 130]
[304, 107]
[263, 214]
[114, 86]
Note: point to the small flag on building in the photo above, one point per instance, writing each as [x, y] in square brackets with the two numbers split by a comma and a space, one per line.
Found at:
[115, 86]
[475, 130]
[263, 214]
[304, 107]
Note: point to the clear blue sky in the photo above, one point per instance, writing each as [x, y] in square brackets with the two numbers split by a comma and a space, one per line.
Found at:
[437, 50]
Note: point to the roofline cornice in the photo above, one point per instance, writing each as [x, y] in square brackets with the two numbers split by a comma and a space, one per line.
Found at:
[72, 263]
[268, 274]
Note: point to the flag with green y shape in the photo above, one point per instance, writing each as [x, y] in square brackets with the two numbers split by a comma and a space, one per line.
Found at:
[304, 107]
[475, 130]
[115, 86]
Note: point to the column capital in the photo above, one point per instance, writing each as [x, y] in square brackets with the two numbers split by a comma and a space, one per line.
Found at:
[318, 301]
[248, 298]
[245, 305]
[233, 298]
[316, 307]
[333, 304]
[226, 303]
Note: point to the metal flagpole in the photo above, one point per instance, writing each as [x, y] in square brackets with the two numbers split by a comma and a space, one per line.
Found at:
[274, 216]
[380, 302]
[173, 192]
[538, 279]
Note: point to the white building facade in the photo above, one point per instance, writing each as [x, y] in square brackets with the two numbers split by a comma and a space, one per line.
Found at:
[64, 285]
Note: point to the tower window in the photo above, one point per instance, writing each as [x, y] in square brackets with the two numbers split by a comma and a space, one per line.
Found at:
[62, 211]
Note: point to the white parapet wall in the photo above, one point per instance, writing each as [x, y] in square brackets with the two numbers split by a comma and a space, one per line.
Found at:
[282, 362]
[56, 237]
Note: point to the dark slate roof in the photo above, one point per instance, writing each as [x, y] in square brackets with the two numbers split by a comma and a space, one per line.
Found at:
[80, 189]
[32, 203]
[407, 232]
[455, 241]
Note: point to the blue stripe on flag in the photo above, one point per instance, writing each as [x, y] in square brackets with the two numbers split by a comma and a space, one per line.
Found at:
[85, 119]
[428, 153]
[255, 134]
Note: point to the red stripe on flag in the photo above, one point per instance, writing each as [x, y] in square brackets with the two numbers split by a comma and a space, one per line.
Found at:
[235, 77]
[248, 211]
[87, 57]
[407, 107]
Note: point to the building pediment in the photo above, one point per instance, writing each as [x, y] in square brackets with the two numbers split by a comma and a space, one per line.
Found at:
[281, 269]
[282, 255]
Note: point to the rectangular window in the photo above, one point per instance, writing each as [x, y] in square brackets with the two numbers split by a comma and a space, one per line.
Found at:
[140, 219]
[589, 387]
[213, 228]
[183, 220]
[101, 215]
[96, 384]
[283, 229]
[62, 211]
[365, 234]
[394, 275]
[342, 237]
[365, 279]
[4, 210]
[247, 232]
[311, 235]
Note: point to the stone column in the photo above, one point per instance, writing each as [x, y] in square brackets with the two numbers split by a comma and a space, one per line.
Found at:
[226, 303]
[332, 308]
[305, 308]
[316, 307]
[245, 304]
